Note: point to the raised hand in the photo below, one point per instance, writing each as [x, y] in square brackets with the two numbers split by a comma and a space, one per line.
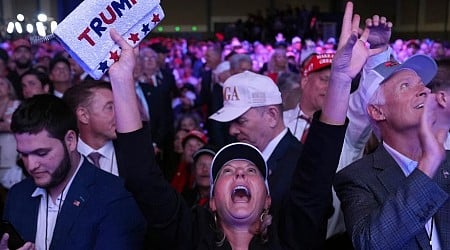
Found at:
[352, 52]
[379, 32]
[432, 136]
[123, 68]
[128, 118]
[350, 25]
[350, 57]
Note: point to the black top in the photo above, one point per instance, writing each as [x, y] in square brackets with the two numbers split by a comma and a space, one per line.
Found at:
[300, 223]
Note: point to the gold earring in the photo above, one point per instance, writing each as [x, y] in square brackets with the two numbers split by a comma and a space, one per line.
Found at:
[263, 215]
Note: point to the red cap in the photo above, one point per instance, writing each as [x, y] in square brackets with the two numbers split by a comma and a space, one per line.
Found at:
[21, 43]
[195, 134]
[317, 62]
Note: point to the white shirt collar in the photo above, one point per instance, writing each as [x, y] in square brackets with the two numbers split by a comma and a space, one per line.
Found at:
[291, 114]
[267, 152]
[406, 165]
[42, 191]
[108, 161]
[107, 150]
[58, 94]
[48, 212]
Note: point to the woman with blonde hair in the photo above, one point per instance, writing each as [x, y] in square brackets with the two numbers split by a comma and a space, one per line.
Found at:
[10, 173]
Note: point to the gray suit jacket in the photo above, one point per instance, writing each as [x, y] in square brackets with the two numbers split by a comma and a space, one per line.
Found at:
[383, 209]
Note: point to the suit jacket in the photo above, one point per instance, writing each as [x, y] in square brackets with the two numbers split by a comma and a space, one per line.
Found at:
[383, 209]
[98, 213]
[211, 99]
[159, 102]
[282, 163]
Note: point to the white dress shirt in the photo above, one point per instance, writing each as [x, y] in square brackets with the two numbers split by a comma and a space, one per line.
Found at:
[108, 161]
[267, 152]
[48, 213]
[295, 124]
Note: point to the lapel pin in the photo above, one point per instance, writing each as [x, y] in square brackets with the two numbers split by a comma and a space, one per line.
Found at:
[76, 203]
[445, 173]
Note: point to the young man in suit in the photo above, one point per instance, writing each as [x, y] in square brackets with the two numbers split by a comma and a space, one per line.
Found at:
[66, 203]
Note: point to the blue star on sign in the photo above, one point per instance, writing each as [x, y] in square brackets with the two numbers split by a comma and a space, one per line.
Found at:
[145, 28]
[103, 66]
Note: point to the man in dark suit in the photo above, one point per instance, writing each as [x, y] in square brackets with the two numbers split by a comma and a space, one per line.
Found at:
[210, 97]
[66, 203]
[156, 89]
[253, 106]
[397, 197]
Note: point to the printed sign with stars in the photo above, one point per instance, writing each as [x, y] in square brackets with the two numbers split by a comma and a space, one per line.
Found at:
[134, 36]
[114, 55]
[84, 33]
[156, 19]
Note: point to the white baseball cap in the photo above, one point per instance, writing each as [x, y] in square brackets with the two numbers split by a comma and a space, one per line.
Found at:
[296, 39]
[244, 91]
[222, 67]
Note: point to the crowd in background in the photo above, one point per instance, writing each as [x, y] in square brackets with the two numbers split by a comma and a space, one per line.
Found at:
[179, 85]
[184, 64]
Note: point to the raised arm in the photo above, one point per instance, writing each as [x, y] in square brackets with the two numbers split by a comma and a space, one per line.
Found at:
[359, 128]
[310, 202]
[122, 81]
[163, 208]
[347, 63]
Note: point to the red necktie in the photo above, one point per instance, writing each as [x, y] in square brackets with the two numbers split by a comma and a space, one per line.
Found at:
[151, 82]
[306, 130]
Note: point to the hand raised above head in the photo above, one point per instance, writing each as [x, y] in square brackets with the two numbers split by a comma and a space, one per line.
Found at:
[352, 52]
[121, 74]
[379, 32]
[350, 57]
[124, 67]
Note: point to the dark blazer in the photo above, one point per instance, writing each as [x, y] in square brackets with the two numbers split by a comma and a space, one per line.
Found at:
[383, 209]
[299, 224]
[98, 213]
[282, 164]
[210, 99]
[159, 102]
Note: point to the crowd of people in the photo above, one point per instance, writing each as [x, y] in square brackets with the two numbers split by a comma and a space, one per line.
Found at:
[230, 145]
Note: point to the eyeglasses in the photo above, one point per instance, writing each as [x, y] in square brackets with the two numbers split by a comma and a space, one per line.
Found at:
[148, 58]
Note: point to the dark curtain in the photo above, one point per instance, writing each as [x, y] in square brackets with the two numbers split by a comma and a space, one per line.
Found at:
[65, 7]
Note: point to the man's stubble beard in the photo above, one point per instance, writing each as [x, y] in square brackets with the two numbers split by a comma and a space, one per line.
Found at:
[61, 172]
